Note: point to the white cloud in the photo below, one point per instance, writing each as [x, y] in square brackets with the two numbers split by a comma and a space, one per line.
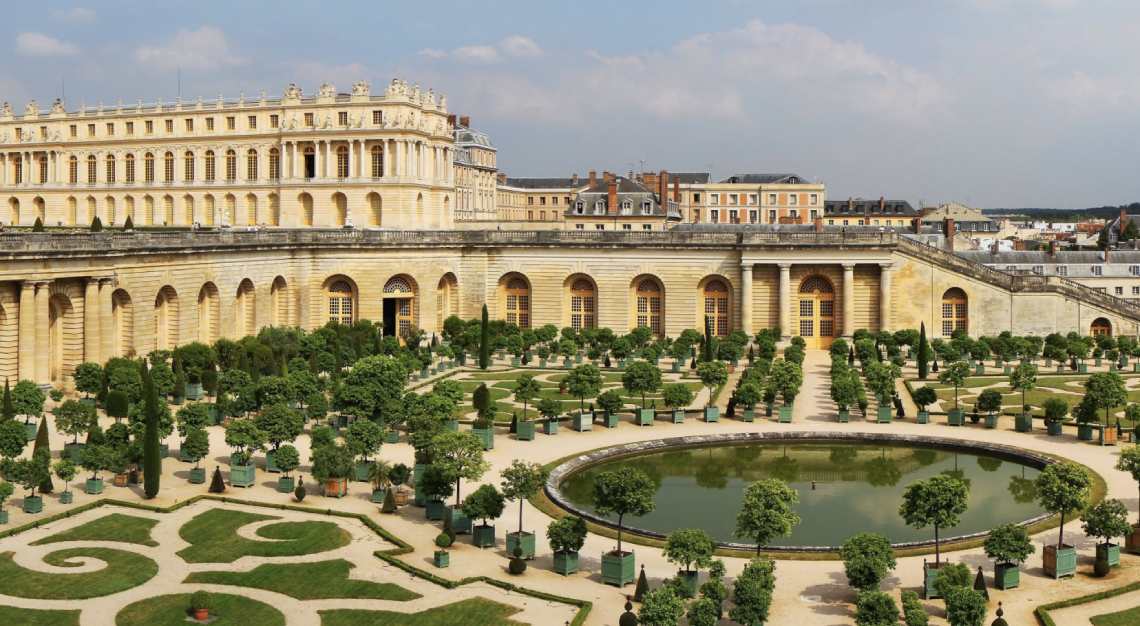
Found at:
[520, 46]
[433, 53]
[41, 45]
[75, 15]
[203, 49]
[476, 54]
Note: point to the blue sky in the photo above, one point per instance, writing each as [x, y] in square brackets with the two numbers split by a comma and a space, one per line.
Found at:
[990, 102]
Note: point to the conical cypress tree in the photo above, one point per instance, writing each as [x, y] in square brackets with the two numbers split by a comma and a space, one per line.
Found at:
[923, 352]
[217, 483]
[38, 227]
[389, 505]
[706, 346]
[7, 411]
[642, 586]
[152, 454]
[42, 444]
[484, 341]
[514, 424]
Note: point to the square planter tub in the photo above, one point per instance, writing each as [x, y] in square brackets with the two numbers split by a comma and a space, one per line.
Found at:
[460, 523]
[527, 544]
[243, 475]
[1060, 562]
[483, 536]
[618, 569]
[565, 563]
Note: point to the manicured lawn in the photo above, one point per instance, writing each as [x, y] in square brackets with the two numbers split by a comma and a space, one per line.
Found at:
[307, 581]
[37, 617]
[471, 612]
[1131, 617]
[214, 538]
[227, 610]
[123, 570]
[113, 527]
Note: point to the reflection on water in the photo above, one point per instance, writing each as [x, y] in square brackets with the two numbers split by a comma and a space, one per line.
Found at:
[844, 488]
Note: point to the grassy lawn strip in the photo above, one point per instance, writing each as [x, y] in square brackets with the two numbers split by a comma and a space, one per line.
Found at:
[113, 527]
[124, 570]
[227, 610]
[1122, 618]
[471, 612]
[37, 617]
[213, 537]
[308, 581]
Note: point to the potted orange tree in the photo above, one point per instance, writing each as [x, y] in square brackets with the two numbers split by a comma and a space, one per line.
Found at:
[200, 605]
[1062, 489]
[521, 480]
[1129, 461]
[566, 535]
[624, 491]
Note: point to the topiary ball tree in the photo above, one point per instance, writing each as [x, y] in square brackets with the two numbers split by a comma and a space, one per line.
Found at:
[938, 501]
[867, 558]
[1063, 489]
[624, 491]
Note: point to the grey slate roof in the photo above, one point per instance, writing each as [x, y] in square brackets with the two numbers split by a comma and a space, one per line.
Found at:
[859, 206]
[545, 183]
[689, 178]
[1040, 257]
[765, 179]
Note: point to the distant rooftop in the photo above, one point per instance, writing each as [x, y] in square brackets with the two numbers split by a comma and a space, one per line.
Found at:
[765, 179]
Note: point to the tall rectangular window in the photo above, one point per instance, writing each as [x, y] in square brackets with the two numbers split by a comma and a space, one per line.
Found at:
[274, 121]
[170, 126]
[377, 117]
[342, 118]
[252, 122]
[189, 124]
[231, 122]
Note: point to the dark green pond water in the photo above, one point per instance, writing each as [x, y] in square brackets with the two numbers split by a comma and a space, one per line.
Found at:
[856, 488]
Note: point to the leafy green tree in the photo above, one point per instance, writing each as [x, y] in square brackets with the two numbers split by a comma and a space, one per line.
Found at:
[458, 455]
[30, 473]
[641, 378]
[485, 503]
[481, 400]
[954, 374]
[925, 396]
[549, 408]
[1129, 461]
[712, 374]
[1105, 390]
[965, 607]
[1008, 544]
[1063, 489]
[287, 459]
[364, 438]
[88, 378]
[245, 438]
[785, 377]
[677, 396]
[989, 401]
[583, 382]
[1055, 409]
[1023, 378]
[689, 548]
[661, 607]
[624, 491]
[74, 418]
[881, 379]
[282, 424]
[7, 410]
[938, 501]
[703, 612]
[875, 608]
[767, 512]
[196, 445]
[526, 390]
[152, 453]
[332, 462]
[752, 593]
[28, 399]
[522, 480]
[1107, 520]
[65, 470]
[373, 382]
[566, 534]
[610, 401]
[867, 558]
[914, 613]
[923, 354]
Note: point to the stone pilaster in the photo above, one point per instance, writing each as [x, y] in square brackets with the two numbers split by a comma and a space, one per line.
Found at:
[106, 320]
[27, 330]
[746, 299]
[848, 299]
[785, 300]
[92, 325]
[43, 348]
[885, 296]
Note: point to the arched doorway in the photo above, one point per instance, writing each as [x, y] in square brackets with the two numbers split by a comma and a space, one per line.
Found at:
[123, 319]
[716, 298]
[447, 299]
[399, 306]
[209, 313]
[817, 312]
[1101, 326]
[245, 308]
[375, 208]
[279, 296]
[166, 319]
[955, 312]
[340, 293]
[515, 296]
[583, 303]
[306, 202]
[649, 303]
[340, 209]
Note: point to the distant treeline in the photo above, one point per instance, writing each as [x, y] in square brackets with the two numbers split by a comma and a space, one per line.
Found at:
[1066, 215]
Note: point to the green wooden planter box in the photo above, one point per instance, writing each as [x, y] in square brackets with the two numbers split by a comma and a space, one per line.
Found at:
[527, 544]
[767, 409]
[748, 415]
[1060, 562]
[991, 420]
[567, 363]
[565, 563]
[434, 510]
[524, 431]
[929, 576]
[844, 416]
[73, 451]
[271, 462]
[550, 427]
[979, 369]
[66, 497]
[1108, 553]
[610, 420]
[243, 475]
[485, 435]
[516, 361]
[34, 504]
[30, 429]
[1136, 366]
[1007, 369]
[93, 486]
[164, 450]
[417, 473]
[786, 414]
[460, 523]
[214, 414]
[645, 417]
[3, 517]
[582, 422]
[483, 536]
[676, 366]
[688, 582]
[360, 472]
[678, 416]
[1060, 369]
[883, 414]
[712, 413]
[618, 569]
[441, 558]
[923, 417]
[392, 436]
[1007, 576]
[1054, 428]
[1023, 423]
[955, 417]
[377, 496]
[286, 484]
[1083, 368]
[184, 456]
[453, 425]
[197, 475]
[193, 391]
[1084, 432]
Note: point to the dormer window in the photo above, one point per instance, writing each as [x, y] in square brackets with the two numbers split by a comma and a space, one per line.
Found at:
[579, 207]
[600, 207]
[626, 207]
[647, 208]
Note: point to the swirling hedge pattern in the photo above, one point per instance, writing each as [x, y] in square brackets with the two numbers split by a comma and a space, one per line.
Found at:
[123, 570]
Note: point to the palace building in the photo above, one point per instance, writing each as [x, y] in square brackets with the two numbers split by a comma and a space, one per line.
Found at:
[340, 207]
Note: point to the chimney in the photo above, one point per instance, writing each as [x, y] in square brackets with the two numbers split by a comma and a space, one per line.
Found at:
[949, 229]
[607, 175]
[677, 190]
[818, 222]
[916, 225]
[663, 181]
[1123, 219]
[451, 120]
[882, 205]
[502, 176]
[1052, 248]
[574, 180]
[611, 196]
[593, 178]
[465, 121]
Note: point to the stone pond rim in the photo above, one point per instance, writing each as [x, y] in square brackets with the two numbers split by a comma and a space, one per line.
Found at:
[581, 461]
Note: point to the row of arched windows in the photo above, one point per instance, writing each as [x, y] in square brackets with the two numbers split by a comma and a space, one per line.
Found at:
[189, 167]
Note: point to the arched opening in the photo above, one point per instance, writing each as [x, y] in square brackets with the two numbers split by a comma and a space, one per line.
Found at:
[340, 293]
[1101, 326]
[340, 209]
[123, 321]
[375, 207]
[148, 210]
[279, 297]
[168, 210]
[716, 302]
[955, 312]
[514, 291]
[188, 209]
[583, 302]
[649, 304]
[447, 299]
[274, 210]
[109, 216]
[129, 209]
[250, 209]
[209, 313]
[817, 311]
[420, 217]
[40, 210]
[166, 318]
[13, 211]
[229, 211]
[245, 308]
[208, 210]
[63, 328]
[399, 306]
[306, 202]
[72, 211]
[91, 210]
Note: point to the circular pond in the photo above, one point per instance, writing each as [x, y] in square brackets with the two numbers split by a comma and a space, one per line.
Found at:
[845, 486]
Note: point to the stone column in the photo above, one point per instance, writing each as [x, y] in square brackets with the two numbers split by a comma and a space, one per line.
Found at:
[107, 321]
[884, 296]
[27, 330]
[43, 327]
[92, 327]
[848, 299]
[317, 158]
[746, 298]
[785, 300]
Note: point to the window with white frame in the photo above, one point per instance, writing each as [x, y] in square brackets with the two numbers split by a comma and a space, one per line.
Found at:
[1134, 270]
[771, 198]
[814, 198]
[714, 215]
[579, 207]
[752, 198]
[1062, 270]
[733, 199]
[714, 199]
[1097, 270]
[793, 199]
